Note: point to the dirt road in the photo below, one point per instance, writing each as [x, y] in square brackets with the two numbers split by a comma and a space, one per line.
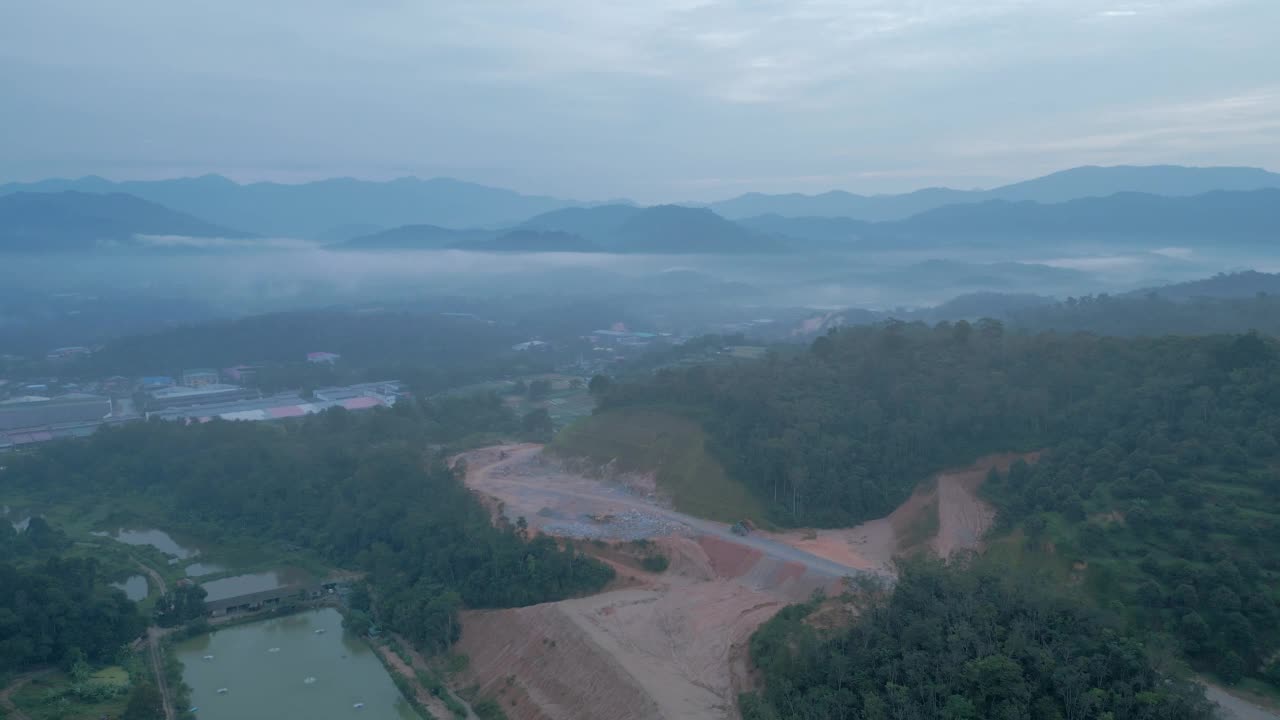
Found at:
[156, 578]
[561, 503]
[154, 636]
[1236, 708]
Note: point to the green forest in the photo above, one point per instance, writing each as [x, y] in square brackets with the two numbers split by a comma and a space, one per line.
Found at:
[957, 643]
[361, 490]
[1154, 314]
[57, 610]
[1159, 472]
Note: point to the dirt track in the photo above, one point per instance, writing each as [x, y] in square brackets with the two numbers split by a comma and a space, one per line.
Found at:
[1235, 708]
[6, 694]
[561, 503]
[671, 645]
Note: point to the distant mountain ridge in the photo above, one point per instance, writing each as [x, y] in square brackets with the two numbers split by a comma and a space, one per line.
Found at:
[314, 210]
[1062, 186]
[76, 221]
[608, 228]
[1244, 284]
[1227, 216]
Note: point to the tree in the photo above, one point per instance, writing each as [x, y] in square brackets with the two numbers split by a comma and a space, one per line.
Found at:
[144, 703]
[539, 389]
[599, 385]
[537, 425]
[1231, 668]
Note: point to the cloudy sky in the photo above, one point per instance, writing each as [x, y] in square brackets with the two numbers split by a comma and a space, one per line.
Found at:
[648, 99]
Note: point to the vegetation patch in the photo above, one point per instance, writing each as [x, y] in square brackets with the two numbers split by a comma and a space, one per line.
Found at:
[671, 446]
[964, 643]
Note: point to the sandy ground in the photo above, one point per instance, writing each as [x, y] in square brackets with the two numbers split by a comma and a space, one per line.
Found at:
[670, 645]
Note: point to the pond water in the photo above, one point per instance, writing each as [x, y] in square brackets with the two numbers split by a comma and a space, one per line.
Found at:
[199, 569]
[135, 587]
[252, 583]
[283, 668]
[157, 539]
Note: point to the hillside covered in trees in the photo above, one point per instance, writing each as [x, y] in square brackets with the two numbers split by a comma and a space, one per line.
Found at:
[359, 490]
[1159, 469]
[951, 644]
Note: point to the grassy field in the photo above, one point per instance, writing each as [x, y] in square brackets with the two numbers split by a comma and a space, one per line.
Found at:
[51, 697]
[672, 446]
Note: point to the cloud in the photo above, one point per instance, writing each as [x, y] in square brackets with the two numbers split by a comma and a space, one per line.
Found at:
[624, 98]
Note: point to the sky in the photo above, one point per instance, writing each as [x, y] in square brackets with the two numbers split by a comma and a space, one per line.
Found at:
[653, 100]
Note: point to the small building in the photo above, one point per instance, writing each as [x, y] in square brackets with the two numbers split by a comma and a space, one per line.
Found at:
[326, 358]
[155, 382]
[200, 377]
[241, 373]
[530, 345]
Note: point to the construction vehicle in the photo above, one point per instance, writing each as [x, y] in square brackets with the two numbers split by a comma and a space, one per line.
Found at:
[742, 527]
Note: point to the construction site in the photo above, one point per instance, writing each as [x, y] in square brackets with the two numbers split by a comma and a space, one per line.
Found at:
[672, 644]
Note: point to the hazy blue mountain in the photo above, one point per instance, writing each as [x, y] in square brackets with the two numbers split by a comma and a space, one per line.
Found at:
[838, 203]
[657, 229]
[76, 221]
[1170, 180]
[598, 224]
[1072, 184]
[678, 229]
[312, 210]
[1219, 216]
[417, 237]
[534, 241]
[829, 231]
[1224, 285]
[973, 306]
[1238, 215]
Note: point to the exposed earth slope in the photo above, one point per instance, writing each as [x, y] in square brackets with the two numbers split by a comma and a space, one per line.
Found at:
[670, 644]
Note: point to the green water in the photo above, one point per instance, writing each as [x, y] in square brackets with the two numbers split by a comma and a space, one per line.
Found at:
[263, 684]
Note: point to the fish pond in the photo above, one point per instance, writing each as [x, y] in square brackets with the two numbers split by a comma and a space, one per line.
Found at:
[299, 666]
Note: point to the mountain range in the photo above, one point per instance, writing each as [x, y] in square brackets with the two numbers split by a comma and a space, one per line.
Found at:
[324, 209]
[345, 211]
[1072, 184]
[607, 228]
[77, 221]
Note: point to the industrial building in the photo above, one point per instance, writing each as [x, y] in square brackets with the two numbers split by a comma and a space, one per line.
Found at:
[182, 396]
[286, 405]
[200, 377]
[38, 412]
[28, 420]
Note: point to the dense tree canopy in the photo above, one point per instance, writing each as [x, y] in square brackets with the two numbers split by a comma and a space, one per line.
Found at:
[957, 644]
[1159, 467]
[359, 489]
[54, 610]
